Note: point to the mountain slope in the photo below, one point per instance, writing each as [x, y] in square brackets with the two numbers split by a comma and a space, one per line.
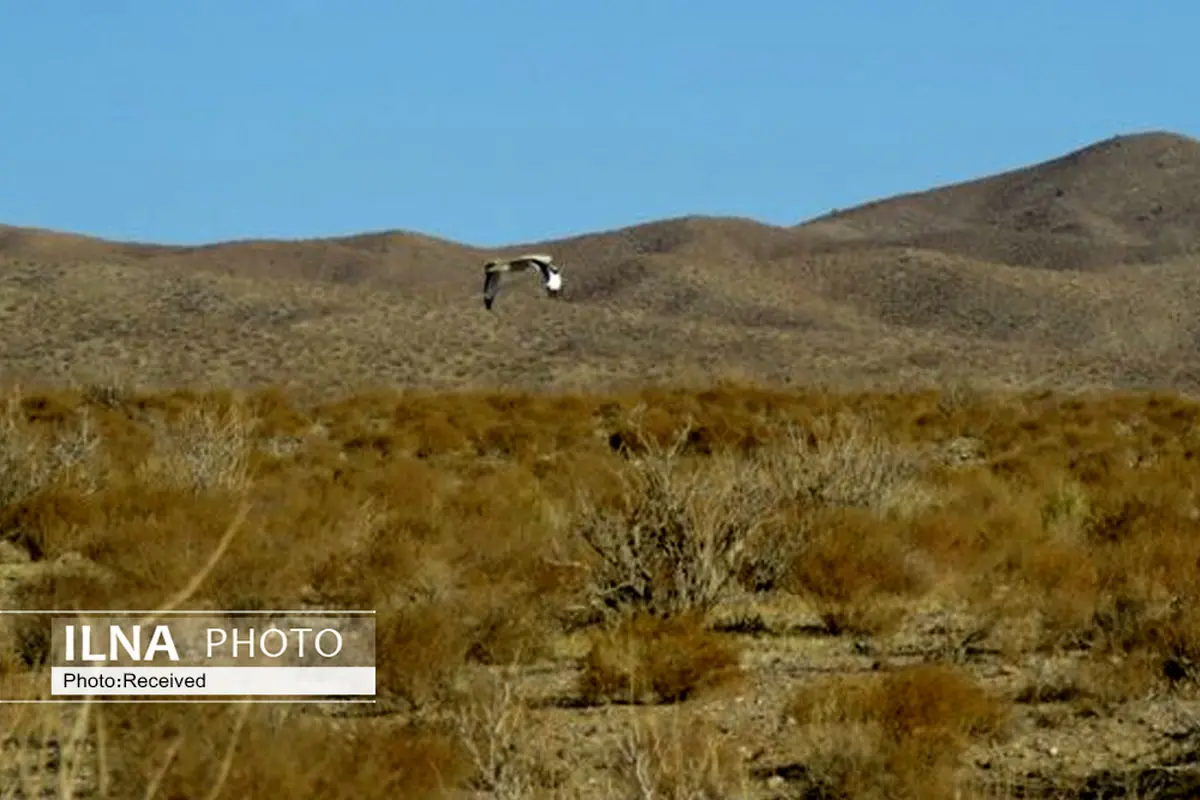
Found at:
[1076, 271]
[1129, 199]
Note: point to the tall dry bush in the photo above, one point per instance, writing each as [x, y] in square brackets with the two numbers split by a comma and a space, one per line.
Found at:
[680, 532]
[845, 492]
[839, 463]
[844, 461]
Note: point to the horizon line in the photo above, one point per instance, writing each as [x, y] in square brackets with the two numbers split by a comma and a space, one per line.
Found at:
[642, 222]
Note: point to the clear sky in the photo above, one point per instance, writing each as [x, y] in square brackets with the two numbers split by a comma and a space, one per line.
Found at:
[509, 121]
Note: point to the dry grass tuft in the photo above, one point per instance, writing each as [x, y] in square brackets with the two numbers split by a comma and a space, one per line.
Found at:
[204, 450]
[492, 727]
[845, 461]
[674, 759]
[646, 659]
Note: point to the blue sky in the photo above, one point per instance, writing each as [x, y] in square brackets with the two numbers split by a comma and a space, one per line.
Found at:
[505, 121]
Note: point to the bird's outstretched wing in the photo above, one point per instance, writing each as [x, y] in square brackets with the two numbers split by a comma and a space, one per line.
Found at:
[491, 286]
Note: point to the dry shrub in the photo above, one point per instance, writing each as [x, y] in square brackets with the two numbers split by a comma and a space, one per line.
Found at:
[844, 461]
[679, 535]
[114, 390]
[1067, 509]
[496, 735]
[202, 450]
[1061, 583]
[506, 537]
[510, 623]
[839, 540]
[46, 751]
[678, 759]
[858, 570]
[1097, 559]
[456, 572]
[423, 645]
[150, 542]
[420, 649]
[31, 461]
[1140, 544]
[781, 539]
[1106, 681]
[900, 734]
[435, 434]
[1161, 633]
[1094, 685]
[645, 659]
[1029, 558]
[276, 413]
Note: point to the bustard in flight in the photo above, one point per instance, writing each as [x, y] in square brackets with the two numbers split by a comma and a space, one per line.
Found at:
[492, 271]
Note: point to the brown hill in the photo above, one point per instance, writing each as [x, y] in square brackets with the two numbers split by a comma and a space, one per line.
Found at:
[1129, 199]
[1075, 271]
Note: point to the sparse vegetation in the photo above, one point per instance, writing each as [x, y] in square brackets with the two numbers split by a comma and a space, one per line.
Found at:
[929, 588]
[895, 735]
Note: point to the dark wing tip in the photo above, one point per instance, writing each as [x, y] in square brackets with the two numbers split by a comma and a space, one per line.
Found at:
[491, 286]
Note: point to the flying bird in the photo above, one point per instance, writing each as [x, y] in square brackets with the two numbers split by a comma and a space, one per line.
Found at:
[492, 270]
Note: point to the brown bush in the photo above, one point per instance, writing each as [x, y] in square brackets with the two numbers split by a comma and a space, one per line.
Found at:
[419, 649]
[647, 659]
[853, 566]
[897, 734]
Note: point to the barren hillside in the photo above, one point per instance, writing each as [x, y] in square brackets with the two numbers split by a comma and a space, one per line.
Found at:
[1076, 271]
[1129, 199]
